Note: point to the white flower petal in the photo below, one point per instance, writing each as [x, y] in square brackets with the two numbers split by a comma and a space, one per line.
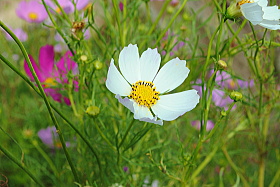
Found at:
[141, 112]
[128, 103]
[270, 26]
[171, 106]
[154, 120]
[171, 75]
[115, 81]
[149, 64]
[129, 63]
[262, 3]
[252, 12]
[271, 13]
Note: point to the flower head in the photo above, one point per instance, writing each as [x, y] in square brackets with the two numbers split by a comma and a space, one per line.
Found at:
[50, 76]
[66, 5]
[257, 12]
[144, 88]
[31, 11]
[49, 137]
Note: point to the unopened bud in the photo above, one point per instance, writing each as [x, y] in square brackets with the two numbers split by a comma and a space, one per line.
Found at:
[233, 11]
[93, 111]
[224, 113]
[83, 58]
[27, 133]
[98, 65]
[236, 96]
[222, 64]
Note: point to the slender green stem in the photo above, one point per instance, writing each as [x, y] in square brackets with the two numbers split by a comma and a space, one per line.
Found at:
[22, 166]
[89, 144]
[116, 9]
[236, 169]
[204, 163]
[170, 23]
[126, 132]
[156, 21]
[59, 132]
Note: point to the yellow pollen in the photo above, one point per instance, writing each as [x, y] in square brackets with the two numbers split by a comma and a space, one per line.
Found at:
[144, 93]
[49, 82]
[243, 2]
[58, 10]
[33, 15]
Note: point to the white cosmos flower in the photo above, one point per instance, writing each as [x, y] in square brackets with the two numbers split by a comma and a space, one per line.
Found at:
[258, 13]
[142, 87]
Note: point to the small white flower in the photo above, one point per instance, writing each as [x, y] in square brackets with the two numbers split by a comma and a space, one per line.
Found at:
[258, 13]
[144, 87]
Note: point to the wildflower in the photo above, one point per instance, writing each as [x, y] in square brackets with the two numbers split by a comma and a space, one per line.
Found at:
[31, 11]
[49, 137]
[20, 34]
[225, 80]
[144, 87]
[257, 12]
[81, 4]
[66, 5]
[236, 96]
[209, 125]
[121, 6]
[50, 76]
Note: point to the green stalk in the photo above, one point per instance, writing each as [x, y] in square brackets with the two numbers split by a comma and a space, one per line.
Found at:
[156, 21]
[118, 22]
[170, 22]
[22, 166]
[89, 144]
[236, 169]
[204, 163]
[59, 132]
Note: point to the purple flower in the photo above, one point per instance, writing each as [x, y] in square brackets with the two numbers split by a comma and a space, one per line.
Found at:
[209, 125]
[176, 44]
[50, 76]
[31, 11]
[66, 5]
[81, 4]
[121, 6]
[219, 97]
[22, 36]
[225, 80]
[50, 137]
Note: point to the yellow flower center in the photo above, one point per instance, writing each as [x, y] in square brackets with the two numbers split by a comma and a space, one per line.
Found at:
[232, 84]
[33, 15]
[49, 82]
[144, 93]
[58, 10]
[239, 3]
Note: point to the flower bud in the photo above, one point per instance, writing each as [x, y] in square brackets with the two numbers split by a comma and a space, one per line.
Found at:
[98, 65]
[223, 113]
[236, 96]
[233, 11]
[83, 58]
[93, 111]
[222, 64]
[27, 133]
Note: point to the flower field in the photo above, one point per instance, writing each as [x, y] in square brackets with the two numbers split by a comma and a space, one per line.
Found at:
[139, 93]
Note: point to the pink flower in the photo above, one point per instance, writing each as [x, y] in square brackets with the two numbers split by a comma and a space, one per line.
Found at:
[81, 4]
[50, 76]
[176, 44]
[225, 80]
[209, 125]
[31, 11]
[50, 137]
[22, 36]
[66, 5]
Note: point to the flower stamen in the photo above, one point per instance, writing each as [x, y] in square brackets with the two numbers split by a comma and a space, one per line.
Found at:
[49, 82]
[243, 2]
[33, 16]
[144, 93]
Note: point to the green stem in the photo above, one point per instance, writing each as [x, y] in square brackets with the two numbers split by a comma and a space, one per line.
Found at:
[59, 132]
[89, 144]
[11, 157]
[126, 132]
[156, 21]
[116, 9]
[203, 164]
[236, 169]
[170, 22]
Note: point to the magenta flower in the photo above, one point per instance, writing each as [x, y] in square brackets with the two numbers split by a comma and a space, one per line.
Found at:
[51, 77]
[225, 80]
[22, 36]
[31, 11]
[66, 5]
[209, 125]
[50, 137]
[121, 6]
